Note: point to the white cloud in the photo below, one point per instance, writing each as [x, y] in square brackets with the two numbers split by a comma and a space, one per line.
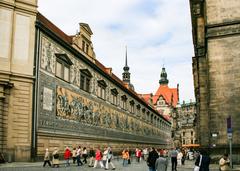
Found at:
[155, 31]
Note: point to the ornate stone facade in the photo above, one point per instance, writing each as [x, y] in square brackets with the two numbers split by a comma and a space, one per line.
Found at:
[54, 92]
[88, 116]
[186, 124]
[216, 37]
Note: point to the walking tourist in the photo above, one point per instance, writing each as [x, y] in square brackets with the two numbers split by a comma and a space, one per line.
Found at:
[74, 154]
[109, 159]
[55, 160]
[47, 158]
[173, 155]
[125, 157]
[138, 154]
[145, 154]
[104, 158]
[161, 163]
[203, 161]
[98, 158]
[152, 157]
[84, 155]
[91, 155]
[79, 153]
[67, 155]
[224, 163]
[179, 158]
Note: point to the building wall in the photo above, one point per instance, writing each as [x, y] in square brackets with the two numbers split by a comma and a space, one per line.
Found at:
[84, 118]
[17, 38]
[216, 72]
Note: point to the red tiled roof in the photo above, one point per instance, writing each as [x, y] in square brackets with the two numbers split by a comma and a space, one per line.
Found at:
[53, 28]
[169, 94]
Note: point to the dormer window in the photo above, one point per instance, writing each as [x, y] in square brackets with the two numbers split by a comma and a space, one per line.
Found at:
[83, 46]
[101, 91]
[63, 64]
[85, 78]
[114, 95]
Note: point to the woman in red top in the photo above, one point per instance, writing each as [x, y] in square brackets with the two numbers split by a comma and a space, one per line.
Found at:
[98, 158]
[67, 155]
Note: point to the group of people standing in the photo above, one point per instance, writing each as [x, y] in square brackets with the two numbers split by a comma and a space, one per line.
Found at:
[103, 158]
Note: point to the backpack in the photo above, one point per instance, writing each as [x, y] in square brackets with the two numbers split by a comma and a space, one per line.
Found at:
[56, 156]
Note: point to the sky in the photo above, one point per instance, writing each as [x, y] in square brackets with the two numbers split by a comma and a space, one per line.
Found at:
[157, 33]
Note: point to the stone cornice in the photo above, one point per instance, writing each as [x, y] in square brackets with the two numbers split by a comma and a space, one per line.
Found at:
[223, 29]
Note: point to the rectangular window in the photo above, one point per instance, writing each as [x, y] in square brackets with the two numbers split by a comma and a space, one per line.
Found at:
[83, 46]
[82, 81]
[85, 80]
[59, 70]
[87, 47]
[66, 73]
[62, 70]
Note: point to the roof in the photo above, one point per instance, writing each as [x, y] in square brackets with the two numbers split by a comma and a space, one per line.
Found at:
[68, 39]
[169, 94]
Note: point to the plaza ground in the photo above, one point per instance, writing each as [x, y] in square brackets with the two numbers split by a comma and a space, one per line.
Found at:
[134, 166]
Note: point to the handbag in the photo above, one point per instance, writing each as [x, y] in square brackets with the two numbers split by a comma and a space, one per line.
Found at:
[197, 168]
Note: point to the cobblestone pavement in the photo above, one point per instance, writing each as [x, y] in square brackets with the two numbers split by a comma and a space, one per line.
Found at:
[37, 166]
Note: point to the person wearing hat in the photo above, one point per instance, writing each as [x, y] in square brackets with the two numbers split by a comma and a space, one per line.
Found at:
[47, 158]
[56, 156]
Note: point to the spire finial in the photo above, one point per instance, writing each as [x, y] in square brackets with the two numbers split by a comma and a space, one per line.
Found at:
[126, 56]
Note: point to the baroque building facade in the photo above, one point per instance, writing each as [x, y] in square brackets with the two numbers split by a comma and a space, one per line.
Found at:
[55, 93]
[187, 124]
[216, 37]
[165, 99]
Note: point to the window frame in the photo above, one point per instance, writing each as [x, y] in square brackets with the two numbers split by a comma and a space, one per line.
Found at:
[64, 62]
[85, 80]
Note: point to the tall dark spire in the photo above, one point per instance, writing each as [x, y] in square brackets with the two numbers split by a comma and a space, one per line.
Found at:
[163, 80]
[126, 74]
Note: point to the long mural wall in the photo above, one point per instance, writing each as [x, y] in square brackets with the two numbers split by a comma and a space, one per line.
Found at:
[67, 111]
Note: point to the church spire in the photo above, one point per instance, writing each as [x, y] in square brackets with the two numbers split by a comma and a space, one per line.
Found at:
[163, 80]
[126, 74]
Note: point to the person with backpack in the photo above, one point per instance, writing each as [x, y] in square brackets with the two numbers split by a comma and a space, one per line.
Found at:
[56, 156]
[109, 159]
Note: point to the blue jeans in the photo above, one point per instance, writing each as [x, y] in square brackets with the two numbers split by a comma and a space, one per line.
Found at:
[125, 162]
[151, 169]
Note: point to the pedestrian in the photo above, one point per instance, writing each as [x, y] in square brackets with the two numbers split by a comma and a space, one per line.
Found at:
[179, 158]
[109, 159]
[55, 160]
[145, 154]
[173, 155]
[67, 155]
[104, 158]
[91, 155]
[152, 157]
[184, 156]
[85, 155]
[125, 157]
[138, 154]
[79, 153]
[98, 158]
[161, 163]
[203, 160]
[74, 154]
[47, 158]
[224, 163]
